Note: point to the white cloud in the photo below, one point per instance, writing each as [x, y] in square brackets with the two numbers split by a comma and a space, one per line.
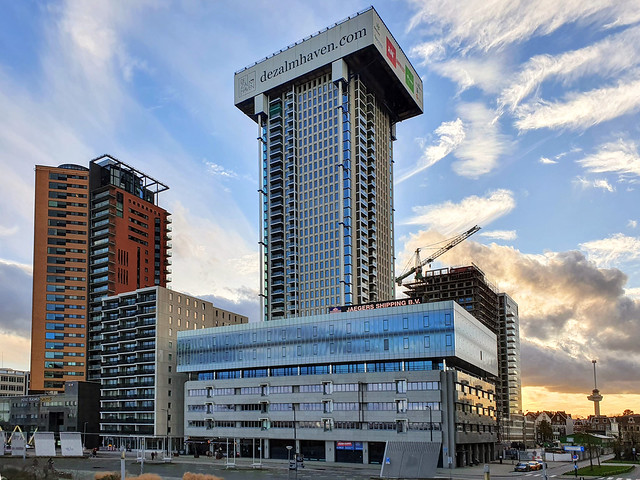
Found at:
[483, 143]
[25, 267]
[485, 73]
[8, 231]
[212, 259]
[449, 217]
[499, 234]
[616, 249]
[494, 24]
[473, 138]
[633, 293]
[632, 224]
[219, 171]
[451, 135]
[429, 51]
[601, 183]
[607, 58]
[580, 110]
[620, 157]
[547, 161]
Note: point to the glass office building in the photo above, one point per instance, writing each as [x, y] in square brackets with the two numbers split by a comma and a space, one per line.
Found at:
[364, 377]
[326, 109]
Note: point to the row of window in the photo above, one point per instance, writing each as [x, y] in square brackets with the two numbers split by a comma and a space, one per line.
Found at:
[11, 378]
[326, 388]
[327, 424]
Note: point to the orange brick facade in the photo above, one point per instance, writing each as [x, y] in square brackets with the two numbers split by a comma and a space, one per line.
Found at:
[60, 273]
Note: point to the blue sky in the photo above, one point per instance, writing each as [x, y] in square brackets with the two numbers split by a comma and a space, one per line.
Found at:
[530, 130]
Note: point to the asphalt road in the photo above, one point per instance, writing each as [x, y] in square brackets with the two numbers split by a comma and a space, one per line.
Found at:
[86, 468]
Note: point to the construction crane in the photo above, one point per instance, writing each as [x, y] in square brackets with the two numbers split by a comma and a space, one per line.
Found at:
[417, 268]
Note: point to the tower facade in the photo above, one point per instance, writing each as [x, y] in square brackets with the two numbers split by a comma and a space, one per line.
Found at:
[326, 110]
[595, 396]
[60, 272]
[129, 241]
[510, 385]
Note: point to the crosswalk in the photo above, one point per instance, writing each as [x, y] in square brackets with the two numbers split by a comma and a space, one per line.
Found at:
[602, 478]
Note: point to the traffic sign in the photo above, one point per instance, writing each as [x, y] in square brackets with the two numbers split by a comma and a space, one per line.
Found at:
[575, 457]
[573, 448]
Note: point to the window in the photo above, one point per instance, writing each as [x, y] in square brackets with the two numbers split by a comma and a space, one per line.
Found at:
[448, 340]
[427, 341]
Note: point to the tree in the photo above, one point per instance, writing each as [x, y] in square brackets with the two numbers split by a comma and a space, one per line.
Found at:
[627, 412]
[545, 431]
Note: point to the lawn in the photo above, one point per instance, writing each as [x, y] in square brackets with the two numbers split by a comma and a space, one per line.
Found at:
[601, 471]
[613, 460]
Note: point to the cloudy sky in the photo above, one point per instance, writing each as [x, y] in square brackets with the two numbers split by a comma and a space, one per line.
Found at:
[530, 130]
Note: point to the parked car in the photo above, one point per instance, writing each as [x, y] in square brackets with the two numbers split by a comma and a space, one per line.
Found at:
[522, 467]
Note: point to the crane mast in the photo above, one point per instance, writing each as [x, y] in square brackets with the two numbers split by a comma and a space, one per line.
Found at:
[417, 269]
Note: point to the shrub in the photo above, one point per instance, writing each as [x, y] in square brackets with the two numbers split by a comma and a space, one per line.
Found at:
[199, 476]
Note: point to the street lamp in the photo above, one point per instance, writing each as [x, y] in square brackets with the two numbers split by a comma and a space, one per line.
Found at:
[295, 437]
[289, 447]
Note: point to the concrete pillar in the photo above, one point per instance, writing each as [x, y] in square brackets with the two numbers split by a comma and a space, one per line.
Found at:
[365, 453]
[265, 447]
[329, 451]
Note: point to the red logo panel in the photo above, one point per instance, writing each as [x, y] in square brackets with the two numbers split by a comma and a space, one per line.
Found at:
[391, 52]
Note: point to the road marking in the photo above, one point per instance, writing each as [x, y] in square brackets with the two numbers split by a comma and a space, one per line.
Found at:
[554, 476]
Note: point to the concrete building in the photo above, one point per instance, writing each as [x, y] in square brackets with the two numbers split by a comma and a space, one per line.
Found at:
[73, 410]
[469, 287]
[13, 382]
[140, 387]
[339, 386]
[326, 109]
[60, 254]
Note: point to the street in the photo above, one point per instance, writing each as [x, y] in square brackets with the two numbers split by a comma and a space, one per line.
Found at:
[86, 468]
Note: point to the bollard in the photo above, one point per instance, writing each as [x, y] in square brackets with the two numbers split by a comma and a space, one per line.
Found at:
[487, 474]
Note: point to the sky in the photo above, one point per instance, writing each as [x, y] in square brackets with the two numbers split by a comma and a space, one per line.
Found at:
[530, 130]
